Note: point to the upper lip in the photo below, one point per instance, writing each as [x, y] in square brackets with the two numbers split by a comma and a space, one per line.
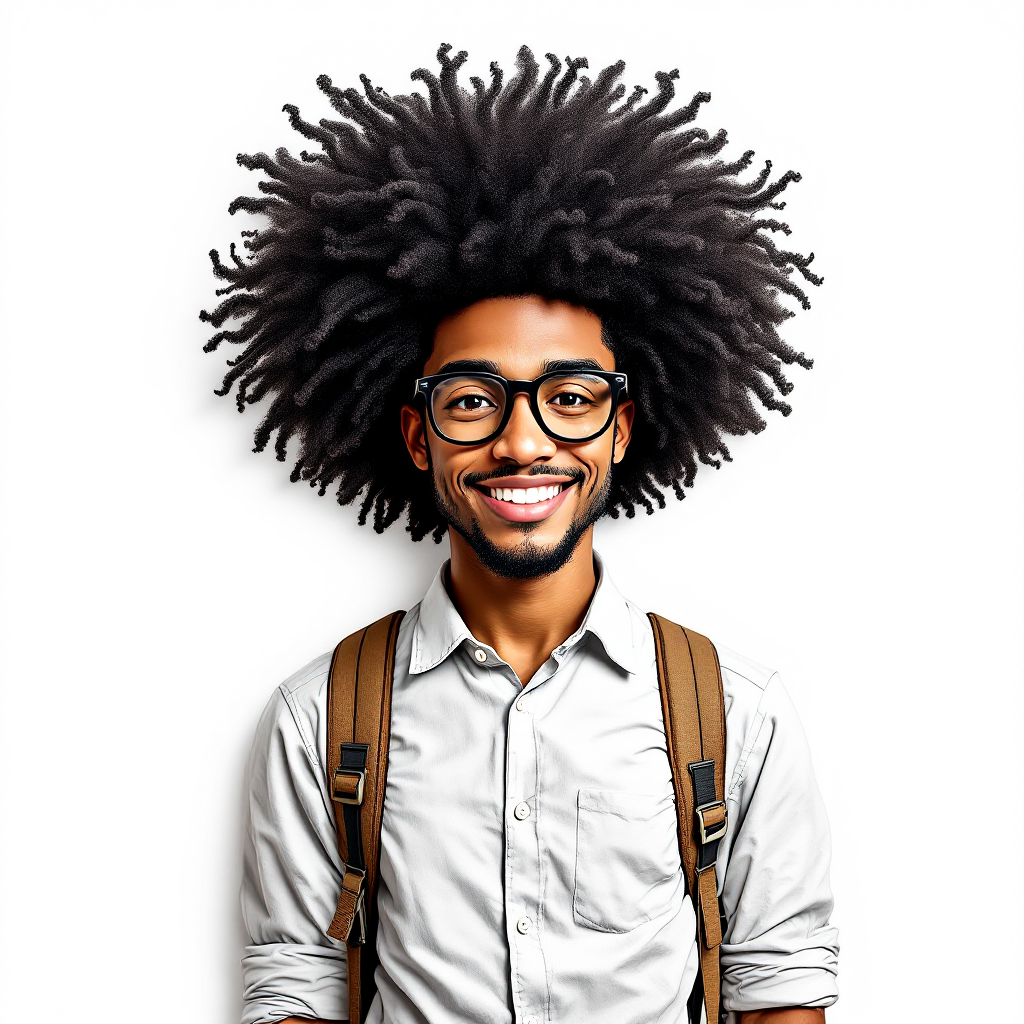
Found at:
[515, 482]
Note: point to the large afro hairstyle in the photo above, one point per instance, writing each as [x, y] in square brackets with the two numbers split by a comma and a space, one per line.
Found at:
[415, 206]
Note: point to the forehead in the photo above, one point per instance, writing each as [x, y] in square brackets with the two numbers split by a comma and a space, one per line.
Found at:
[519, 334]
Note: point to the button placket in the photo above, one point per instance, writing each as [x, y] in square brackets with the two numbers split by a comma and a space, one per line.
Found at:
[522, 863]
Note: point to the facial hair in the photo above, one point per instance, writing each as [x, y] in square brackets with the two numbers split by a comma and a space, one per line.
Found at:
[525, 561]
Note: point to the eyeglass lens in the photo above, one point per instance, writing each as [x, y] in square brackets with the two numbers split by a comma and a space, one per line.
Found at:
[571, 405]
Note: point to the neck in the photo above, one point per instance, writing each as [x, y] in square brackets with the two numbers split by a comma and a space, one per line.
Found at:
[523, 620]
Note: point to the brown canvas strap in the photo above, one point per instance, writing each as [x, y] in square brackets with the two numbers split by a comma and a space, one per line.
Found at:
[694, 710]
[358, 731]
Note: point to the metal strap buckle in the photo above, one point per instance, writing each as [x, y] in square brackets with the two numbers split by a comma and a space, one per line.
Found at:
[709, 833]
[343, 791]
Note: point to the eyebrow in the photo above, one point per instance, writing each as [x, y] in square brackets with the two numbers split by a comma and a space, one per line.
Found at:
[489, 366]
[471, 366]
[550, 365]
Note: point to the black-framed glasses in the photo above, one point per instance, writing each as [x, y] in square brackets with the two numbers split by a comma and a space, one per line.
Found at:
[573, 406]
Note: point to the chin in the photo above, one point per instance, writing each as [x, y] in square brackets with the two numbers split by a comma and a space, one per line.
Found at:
[527, 558]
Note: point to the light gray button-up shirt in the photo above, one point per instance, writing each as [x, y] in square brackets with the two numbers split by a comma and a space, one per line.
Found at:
[530, 866]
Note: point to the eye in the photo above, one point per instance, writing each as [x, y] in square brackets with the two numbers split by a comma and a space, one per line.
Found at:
[471, 403]
[569, 400]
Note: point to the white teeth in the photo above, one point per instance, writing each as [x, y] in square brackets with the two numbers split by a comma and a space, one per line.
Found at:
[524, 495]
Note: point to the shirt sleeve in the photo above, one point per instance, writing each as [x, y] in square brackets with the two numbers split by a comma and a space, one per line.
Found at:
[291, 875]
[779, 948]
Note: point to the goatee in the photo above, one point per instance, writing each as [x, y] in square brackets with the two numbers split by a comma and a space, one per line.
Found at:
[525, 561]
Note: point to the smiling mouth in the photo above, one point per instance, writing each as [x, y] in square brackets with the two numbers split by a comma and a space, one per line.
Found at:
[525, 504]
[524, 495]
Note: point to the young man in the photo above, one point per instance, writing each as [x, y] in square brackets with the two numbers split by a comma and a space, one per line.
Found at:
[508, 313]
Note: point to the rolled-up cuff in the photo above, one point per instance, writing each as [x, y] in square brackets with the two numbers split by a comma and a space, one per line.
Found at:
[284, 980]
[773, 980]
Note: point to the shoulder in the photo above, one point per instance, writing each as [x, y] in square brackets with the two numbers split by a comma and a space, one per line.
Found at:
[749, 689]
[298, 707]
[745, 682]
[760, 717]
[296, 710]
[308, 680]
[741, 674]
[752, 689]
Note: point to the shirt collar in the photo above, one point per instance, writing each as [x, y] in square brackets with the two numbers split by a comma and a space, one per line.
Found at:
[440, 629]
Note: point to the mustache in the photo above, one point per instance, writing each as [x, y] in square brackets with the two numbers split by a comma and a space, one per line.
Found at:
[575, 474]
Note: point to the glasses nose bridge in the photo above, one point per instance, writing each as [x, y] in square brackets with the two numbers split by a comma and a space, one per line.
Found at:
[514, 423]
[520, 387]
[515, 389]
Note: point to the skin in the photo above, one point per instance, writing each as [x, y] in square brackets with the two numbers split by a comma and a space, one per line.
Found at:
[525, 619]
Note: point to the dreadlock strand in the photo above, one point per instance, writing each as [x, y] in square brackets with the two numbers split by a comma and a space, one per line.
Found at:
[542, 96]
[315, 133]
[525, 79]
[568, 79]
[663, 97]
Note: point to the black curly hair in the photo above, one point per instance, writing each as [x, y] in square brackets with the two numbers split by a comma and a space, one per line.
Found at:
[556, 185]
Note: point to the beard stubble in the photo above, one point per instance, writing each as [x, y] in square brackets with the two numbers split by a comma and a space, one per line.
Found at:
[526, 560]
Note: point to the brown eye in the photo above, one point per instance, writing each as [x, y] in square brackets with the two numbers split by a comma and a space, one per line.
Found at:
[470, 403]
[569, 400]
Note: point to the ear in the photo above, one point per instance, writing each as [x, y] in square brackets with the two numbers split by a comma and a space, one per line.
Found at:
[414, 432]
[623, 428]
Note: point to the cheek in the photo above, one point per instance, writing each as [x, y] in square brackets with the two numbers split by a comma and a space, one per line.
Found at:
[450, 464]
[595, 464]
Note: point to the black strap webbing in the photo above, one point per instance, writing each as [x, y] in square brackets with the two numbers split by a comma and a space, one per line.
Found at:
[702, 775]
[695, 1004]
[353, 759]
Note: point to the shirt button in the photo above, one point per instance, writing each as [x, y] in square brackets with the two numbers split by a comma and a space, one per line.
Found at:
[480, 654]
[521, 704]
[522, 810]
[531, 1020]
[523, 925]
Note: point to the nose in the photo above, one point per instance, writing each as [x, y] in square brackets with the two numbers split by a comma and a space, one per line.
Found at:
[522, 441]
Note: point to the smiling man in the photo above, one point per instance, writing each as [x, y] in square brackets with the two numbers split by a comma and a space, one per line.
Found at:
[506, 313]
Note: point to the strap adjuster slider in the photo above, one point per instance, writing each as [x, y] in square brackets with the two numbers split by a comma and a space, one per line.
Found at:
[348, 786]
[712, 821]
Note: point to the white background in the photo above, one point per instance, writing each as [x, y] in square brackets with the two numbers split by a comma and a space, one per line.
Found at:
[158, 580]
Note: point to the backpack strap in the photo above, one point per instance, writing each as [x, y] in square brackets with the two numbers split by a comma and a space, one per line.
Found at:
[358, 731]
[693, 703]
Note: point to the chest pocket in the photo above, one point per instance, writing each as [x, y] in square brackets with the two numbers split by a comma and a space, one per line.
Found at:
[627, 859]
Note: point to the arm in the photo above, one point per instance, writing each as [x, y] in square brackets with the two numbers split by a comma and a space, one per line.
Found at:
[291, 870]
[779, 950]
